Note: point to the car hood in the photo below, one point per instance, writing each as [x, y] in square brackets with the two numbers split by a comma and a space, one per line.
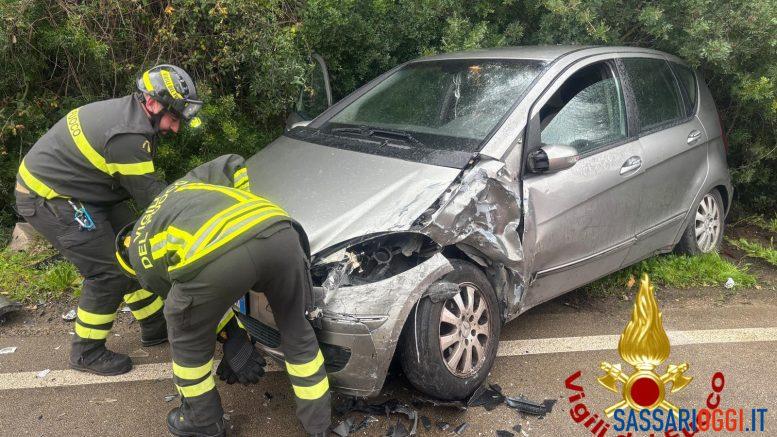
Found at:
[339, 194]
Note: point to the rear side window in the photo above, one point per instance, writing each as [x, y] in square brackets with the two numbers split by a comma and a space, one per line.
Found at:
[656, 92]
[688, 79]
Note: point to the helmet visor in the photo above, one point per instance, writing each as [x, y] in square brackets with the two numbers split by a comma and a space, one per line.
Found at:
[191, 108]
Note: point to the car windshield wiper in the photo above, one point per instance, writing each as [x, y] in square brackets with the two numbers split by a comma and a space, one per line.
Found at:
[389, 134]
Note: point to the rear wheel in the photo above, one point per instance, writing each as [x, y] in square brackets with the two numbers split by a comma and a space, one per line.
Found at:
[450, 346]
[704, 233]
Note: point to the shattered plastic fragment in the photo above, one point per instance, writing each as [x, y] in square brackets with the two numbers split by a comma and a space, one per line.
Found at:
[438, 403]
[503, 433]
[169, 398]
[526, 406]
[8, 306]
[7, 350]
[487, 397]
[343, 428]
[399, 430]
[42, 374]
[364, 423]
[549, 403]
[442, 426]
[461, 428]
[69, 316]
[426, 422]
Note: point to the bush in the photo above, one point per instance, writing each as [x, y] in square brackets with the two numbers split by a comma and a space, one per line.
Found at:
[248, 57]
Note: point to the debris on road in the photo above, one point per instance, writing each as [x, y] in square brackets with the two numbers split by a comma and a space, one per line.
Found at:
[461, 428]
[442, 426]
[418, 401]
[367, 421]
[729, 283]
[140, 353]
[103, 401]
[488, 397]
[42, 374]
[169, 398]
[524, 405]
[343, 428]
[503, 433]
[69, 316]
[7, 350]
[426, 422]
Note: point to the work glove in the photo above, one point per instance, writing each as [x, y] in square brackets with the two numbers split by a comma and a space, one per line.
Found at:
[242, 362]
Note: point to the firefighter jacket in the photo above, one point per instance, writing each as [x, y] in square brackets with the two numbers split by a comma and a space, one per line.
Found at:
[100, 153]
[195, 220]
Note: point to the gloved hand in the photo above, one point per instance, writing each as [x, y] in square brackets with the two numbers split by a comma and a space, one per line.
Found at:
[242, 362]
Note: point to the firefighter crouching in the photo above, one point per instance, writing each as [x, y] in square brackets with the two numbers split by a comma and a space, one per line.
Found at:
[72, 186]
[203, 243]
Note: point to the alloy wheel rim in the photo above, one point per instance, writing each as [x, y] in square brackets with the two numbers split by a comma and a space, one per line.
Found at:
[465, 331]
[707, 224]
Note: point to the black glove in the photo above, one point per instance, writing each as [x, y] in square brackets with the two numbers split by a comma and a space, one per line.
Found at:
[242, 362]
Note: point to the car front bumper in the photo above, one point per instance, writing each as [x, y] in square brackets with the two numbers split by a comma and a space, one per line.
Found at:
[359, 328]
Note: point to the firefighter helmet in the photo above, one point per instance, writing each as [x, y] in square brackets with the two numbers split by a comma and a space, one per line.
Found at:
[174, 88]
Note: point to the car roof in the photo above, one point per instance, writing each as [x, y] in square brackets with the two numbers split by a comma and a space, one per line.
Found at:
[541, 52]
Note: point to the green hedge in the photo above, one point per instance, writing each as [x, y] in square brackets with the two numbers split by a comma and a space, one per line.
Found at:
[249, 58]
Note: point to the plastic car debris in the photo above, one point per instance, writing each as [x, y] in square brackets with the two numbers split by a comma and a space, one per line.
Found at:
[526, 406]
[426, 422]
[549, 403]
[42, 374]
[461, 428]
[729, 283]
[517, 428]
[7, 350]
[488, 397]
[418, 401]
[169, 398]
[503, 433]
[343, 428]
[69, 316]
[364, 423]
[8, 306]
[399, 430]
[442, 426]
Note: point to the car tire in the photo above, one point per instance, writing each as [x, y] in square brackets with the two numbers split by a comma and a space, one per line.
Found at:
[704, 233]
[434, 369]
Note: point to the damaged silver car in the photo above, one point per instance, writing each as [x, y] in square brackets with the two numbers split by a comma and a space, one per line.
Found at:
[455, 192]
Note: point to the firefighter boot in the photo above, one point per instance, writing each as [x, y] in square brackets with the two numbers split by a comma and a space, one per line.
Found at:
[100, 361]
[180, 426]
[153, 331]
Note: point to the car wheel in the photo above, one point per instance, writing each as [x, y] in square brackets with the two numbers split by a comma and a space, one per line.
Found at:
[704, 233]
[449, 346]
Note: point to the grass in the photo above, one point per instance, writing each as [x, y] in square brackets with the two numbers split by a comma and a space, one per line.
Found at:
[677, 271]
[34, 276]
[755, 250]
[761, 222]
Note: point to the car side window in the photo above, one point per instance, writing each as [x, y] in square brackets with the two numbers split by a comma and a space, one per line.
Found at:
[587, 111]
[688, 79]
[655, 91]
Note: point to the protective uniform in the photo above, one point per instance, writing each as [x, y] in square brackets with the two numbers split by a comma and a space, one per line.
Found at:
[98, 156]
[201, 245]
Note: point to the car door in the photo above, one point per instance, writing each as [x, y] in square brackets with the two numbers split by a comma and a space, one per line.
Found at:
[674, 156]
[580, 222]
[315, 97]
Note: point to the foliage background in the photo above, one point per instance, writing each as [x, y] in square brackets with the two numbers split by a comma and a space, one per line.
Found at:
[250, 59]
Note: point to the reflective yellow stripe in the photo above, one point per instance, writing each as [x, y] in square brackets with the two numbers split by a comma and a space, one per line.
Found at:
[191, 391]
[95, 319]
[147, 82]
[171, 240]
[306, 369]
[210, 248]
[137, 296]
[239, 195]
[224, 320]
[35, 184]
[74, 126]
[149, 309]
[91, 333]
[134, 169]
[168, 80]
[192, 372]
[313, 392]
[124, 265]
[240, 179]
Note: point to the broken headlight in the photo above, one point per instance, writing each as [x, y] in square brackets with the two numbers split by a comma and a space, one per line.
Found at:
[371, 260]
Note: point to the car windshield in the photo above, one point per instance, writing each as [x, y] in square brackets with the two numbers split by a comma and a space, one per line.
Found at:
[448, 105]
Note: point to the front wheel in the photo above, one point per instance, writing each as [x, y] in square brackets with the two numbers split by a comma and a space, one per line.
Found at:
[450, 346]
[704, 233]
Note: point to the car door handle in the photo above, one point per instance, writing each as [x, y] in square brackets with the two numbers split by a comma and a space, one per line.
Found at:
[694, 136]
[631, 165]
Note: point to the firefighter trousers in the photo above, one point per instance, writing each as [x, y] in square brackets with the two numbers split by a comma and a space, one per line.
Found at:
[275, 264]
[93, 253]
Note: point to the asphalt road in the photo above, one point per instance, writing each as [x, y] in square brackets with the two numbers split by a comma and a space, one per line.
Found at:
[738, 339]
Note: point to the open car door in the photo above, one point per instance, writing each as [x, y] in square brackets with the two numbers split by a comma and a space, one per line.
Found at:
[315, 98]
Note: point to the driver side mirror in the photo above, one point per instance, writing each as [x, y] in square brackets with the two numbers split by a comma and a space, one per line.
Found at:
[552, 157]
